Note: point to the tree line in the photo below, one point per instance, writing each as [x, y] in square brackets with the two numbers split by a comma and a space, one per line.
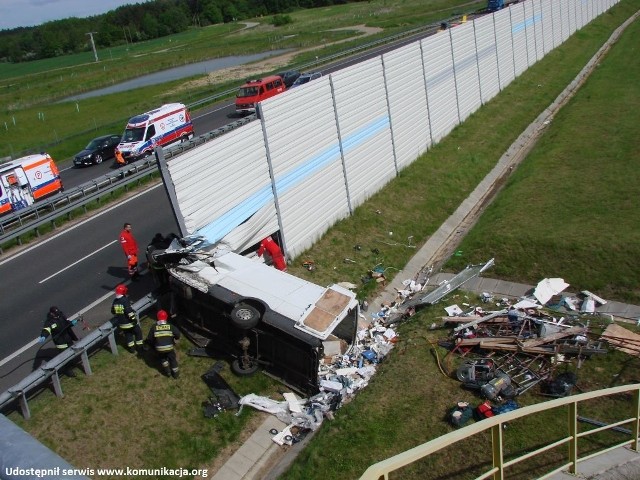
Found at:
[135, 23]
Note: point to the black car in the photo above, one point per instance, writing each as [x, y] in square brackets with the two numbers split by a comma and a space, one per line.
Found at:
[289, 77]
[98, 149]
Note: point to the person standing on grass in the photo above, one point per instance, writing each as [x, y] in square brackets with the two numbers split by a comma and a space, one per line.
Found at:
[127, 320]
[163, 337]
[130, 248]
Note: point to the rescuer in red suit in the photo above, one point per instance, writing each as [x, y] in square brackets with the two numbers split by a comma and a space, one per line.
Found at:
[130, 247]
[274, 252]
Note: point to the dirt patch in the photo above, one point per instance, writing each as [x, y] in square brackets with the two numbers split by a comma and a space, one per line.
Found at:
[242, 72]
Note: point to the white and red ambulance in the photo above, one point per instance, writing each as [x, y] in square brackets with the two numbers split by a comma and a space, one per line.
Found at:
[163, 126]
[27, 180]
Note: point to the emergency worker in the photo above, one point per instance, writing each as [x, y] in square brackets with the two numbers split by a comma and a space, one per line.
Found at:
[119, 158]
[163, 336]
[274, 252]
[130, 248]
[159, 274]
[127, 320]
[61, 330]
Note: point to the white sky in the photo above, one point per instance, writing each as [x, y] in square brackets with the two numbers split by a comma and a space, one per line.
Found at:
[28, 13]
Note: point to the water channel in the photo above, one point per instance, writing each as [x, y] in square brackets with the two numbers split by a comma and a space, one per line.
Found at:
[177, 73]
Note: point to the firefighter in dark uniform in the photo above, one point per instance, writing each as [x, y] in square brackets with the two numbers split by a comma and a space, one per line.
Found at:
[127, 320]
[61, 330]
[163, 337]
[59, 327]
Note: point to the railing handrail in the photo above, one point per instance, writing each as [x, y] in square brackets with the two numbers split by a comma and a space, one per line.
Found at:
[382, 469]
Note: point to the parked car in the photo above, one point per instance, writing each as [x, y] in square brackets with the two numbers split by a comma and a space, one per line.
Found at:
[289, 77]
[305, 78]
[98, 149]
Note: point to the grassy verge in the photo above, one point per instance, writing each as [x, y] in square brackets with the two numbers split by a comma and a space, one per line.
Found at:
[405, 403]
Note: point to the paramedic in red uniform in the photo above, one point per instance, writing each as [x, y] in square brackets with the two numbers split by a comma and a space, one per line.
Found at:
[274, 251]
[130, 247]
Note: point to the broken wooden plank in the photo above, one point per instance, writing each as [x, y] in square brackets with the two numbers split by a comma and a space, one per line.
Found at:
[554, 336]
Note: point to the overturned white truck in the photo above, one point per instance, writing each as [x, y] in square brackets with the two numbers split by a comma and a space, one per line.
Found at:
[227, 196]
[259, 316]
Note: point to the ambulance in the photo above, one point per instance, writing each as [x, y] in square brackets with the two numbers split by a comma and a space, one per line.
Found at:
[26, 180]
[160, 127]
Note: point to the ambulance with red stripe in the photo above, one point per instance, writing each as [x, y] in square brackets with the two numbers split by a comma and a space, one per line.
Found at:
[27, 180]
[160, 127]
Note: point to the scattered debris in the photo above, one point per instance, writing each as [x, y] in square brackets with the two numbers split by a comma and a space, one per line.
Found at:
[224, 398]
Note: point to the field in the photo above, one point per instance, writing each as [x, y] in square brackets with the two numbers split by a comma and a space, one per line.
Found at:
[33, 117]
[568, 211]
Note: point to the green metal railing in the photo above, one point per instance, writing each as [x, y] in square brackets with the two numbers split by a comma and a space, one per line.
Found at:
[381, 470]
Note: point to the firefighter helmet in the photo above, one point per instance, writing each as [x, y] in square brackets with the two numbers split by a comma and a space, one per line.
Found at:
[162, 316]
[121, 290]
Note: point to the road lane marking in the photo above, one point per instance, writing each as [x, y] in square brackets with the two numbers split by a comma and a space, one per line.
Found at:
[67, 230]
[78, 261]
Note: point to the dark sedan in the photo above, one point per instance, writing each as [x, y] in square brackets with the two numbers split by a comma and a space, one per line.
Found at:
[289, 77]
[98, 149]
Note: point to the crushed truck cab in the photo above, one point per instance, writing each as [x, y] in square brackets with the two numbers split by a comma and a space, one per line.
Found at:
[259, 315]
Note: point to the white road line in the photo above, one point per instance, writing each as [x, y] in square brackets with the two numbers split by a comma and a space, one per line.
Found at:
[67, 230]
[75, 315]
[78, 261]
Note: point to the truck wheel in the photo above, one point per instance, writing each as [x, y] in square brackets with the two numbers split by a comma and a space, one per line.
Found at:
[245, 316]
[236, 368]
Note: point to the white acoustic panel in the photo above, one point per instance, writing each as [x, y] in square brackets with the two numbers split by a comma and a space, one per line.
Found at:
[536, 7]
[466, 69]
[598, 7]
[565, 14]
[441, 84]
[364, 128]
[580, 14]
[531, 18]
[556, 13]
[572, 16]
[519, 38]
[304, 150]
[309, 210]
[547, 25]
[223, 183]
[487, 57]
[504, 41]
[407, 93]
[587, 11]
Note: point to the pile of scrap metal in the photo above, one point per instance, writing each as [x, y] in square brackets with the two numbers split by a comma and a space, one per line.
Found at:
[521, 345]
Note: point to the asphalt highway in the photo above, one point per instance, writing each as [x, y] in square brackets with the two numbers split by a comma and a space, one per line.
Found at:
[76, 269]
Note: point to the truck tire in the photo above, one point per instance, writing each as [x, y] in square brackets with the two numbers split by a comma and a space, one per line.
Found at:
[236, 368]
[244, 316]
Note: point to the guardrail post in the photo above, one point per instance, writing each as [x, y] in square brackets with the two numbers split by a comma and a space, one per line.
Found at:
[497, 447]
[573, 433]
[57, 386]
[84, 357]
[112, 343]
[636, 423]
[24, 405]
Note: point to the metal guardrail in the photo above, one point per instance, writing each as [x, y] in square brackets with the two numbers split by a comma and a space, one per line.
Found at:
[51, 370]
[496, 424]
